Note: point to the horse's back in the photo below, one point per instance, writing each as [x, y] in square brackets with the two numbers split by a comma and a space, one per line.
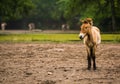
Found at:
[96, 35]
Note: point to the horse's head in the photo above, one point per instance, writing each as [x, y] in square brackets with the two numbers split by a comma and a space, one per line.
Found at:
[85, 27]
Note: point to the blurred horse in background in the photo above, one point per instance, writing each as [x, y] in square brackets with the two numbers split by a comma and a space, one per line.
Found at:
[3, 25]
[31, 26]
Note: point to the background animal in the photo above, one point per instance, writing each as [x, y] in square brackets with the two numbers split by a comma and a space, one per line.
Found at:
[3, 25]
[31, 26]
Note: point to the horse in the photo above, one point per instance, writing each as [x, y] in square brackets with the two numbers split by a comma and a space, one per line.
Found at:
[91, 37]
[31, 26]
[65, 27]
[3, 25]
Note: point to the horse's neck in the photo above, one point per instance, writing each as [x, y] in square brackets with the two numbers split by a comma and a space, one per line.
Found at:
[90, 35]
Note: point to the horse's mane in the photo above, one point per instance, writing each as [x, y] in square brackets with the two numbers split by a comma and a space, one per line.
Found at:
[87, 21]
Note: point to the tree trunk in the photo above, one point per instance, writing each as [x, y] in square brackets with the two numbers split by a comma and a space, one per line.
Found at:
[113, 15]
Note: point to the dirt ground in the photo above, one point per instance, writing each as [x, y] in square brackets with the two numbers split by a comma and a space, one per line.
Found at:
[57, 63]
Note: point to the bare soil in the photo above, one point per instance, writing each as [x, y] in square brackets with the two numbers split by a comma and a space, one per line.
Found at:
[57, 63]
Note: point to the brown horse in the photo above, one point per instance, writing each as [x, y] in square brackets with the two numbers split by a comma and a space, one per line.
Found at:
[91, 36]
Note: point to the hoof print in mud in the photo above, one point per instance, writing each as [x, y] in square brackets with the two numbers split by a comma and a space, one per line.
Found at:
[48, 82]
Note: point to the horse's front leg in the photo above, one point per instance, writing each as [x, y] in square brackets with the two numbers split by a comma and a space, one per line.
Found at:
[88, 58]
[93, 58]
[94, 63]
[89, 62]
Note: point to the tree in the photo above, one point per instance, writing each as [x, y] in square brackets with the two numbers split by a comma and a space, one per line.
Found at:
[13, 9]
[46, 13]
[99, 10]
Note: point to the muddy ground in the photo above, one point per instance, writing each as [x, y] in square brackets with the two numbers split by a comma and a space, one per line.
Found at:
[57, 63]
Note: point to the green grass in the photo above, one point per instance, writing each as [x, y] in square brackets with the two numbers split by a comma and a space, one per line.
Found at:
[111, 37]
[52, 37]
[38, 37]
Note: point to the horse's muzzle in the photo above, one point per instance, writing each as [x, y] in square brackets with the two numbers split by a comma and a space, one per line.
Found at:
[81, 37]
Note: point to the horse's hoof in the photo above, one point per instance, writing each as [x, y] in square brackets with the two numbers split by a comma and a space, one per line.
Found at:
[94, 68]
[89, 68]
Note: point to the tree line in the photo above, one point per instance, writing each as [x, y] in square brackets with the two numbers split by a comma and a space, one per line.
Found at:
[51, 14]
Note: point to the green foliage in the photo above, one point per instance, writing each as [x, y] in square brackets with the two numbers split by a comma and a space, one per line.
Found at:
[91, 8]
[99, 10]
[13, 9]
[44, 12]
[45, 9]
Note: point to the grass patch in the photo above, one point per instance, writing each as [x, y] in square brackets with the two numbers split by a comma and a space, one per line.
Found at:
[110, 37]
[39, 37]
[52, 38]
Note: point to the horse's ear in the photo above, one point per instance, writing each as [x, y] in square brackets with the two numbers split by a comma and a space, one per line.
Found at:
[82, 21]
[89, 19]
